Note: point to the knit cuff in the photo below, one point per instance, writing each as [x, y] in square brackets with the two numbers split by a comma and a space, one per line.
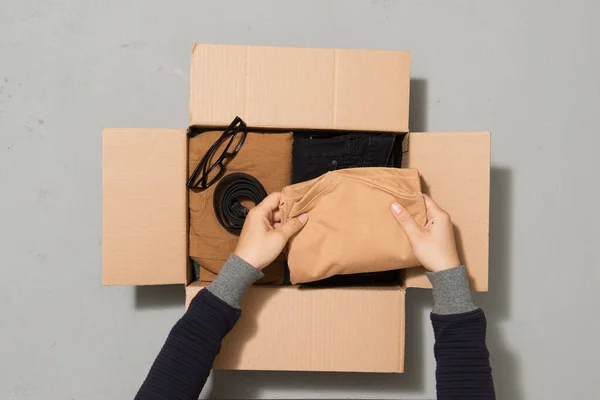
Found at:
[235, 278]
[451, 293]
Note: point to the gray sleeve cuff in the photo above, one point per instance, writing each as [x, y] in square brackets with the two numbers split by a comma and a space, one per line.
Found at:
[235, 278]
[451, 293]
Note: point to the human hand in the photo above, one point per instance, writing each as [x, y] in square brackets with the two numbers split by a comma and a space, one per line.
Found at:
[433, 245]
[263, 236]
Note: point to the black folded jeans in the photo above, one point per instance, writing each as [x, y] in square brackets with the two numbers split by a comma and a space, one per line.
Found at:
[314, 153]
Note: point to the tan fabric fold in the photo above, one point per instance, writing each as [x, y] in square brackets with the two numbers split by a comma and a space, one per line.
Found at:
[351, 228]
[267, 157]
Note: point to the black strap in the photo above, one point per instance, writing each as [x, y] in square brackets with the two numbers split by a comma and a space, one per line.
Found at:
[229, 193]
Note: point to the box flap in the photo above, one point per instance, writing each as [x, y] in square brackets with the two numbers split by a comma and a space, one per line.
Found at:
[282, 87]
[292, 329]
[144, 206]
[455, 169]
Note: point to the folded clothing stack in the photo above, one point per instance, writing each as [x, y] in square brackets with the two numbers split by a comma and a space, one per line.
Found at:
[265, 156]
[318, 152]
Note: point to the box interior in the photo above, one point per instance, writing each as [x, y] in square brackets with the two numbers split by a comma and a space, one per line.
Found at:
[192, 272]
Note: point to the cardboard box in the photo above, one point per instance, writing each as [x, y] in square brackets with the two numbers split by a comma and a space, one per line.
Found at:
[145, 215]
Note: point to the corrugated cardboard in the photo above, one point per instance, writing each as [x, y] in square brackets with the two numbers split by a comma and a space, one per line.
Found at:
[455, 171]
[340, 329]
[144, 206]
[279, 87]
[282, 327]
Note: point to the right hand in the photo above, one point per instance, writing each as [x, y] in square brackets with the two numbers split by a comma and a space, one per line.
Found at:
[434, 244]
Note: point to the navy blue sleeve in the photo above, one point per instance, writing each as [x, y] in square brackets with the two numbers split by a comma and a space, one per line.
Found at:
[184, 363]
[463, 361]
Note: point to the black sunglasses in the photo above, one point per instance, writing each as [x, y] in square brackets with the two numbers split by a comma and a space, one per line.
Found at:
[205, 175]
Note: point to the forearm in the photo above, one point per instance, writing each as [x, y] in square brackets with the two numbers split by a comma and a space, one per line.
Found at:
[463, 368]
[184, 363]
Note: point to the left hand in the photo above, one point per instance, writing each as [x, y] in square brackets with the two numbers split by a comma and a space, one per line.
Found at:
[263, 236]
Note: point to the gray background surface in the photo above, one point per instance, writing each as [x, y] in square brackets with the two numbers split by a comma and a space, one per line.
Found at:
[525, 70]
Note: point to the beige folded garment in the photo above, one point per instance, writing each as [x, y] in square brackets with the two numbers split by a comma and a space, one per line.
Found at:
[351, 228]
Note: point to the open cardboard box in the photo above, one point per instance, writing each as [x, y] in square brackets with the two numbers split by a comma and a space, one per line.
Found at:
[145, 213]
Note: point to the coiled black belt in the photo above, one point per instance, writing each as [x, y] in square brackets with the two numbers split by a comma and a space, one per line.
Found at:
[229, 193]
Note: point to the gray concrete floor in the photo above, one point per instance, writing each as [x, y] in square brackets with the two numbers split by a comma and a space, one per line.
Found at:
[525, 70]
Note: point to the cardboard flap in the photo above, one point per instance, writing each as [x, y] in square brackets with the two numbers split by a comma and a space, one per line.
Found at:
[340, 329]
[455, 172]
[144, 206]
[279, 87]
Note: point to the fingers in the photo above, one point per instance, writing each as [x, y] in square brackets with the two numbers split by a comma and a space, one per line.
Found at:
[293, 226]
[269, 204]
[433, 210]
[406, 221]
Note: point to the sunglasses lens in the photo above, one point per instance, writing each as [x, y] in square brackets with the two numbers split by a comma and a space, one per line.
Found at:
[235, 143]
[213, 175]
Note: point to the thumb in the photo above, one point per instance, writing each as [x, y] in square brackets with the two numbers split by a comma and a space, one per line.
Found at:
[406, 221]
[293, 226]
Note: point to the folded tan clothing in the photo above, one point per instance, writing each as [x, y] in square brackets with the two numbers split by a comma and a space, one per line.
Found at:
[267, 157]
[351, 228]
